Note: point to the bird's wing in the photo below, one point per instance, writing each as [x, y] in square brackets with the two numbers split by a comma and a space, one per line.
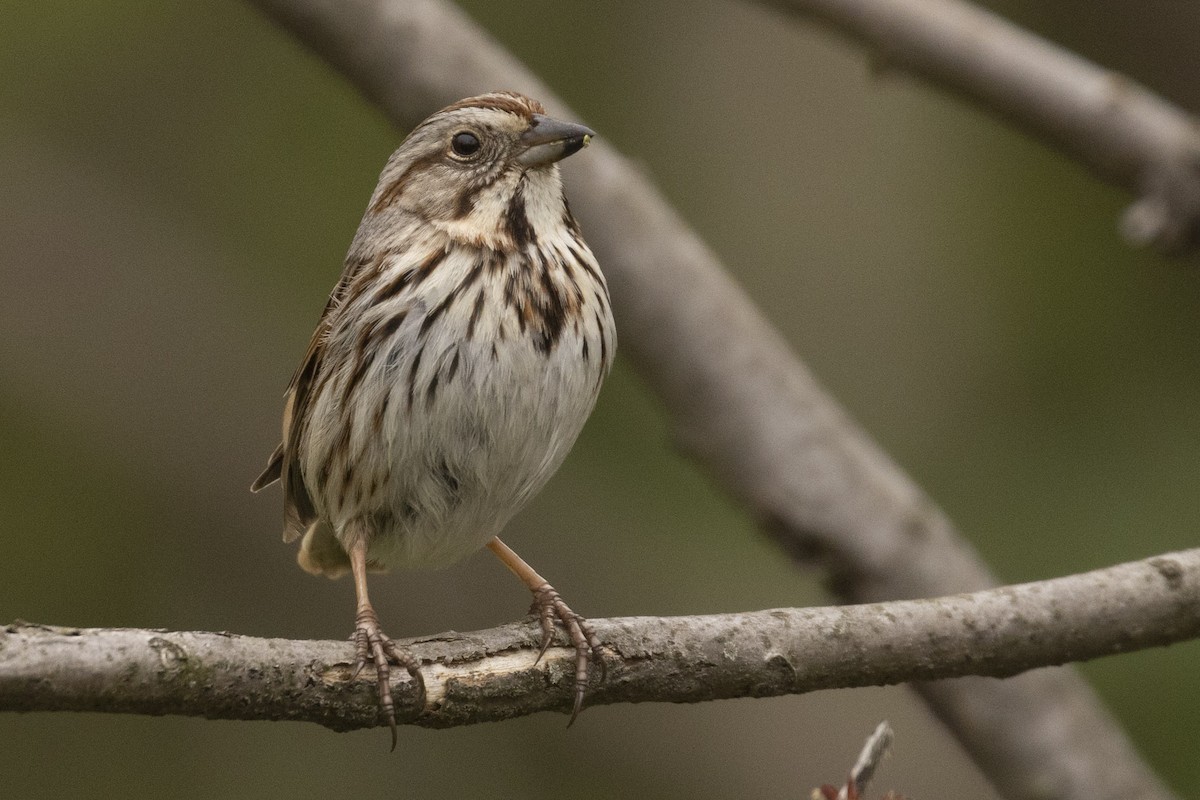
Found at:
[298, 510]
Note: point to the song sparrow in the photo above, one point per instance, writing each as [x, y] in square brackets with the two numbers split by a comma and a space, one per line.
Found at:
[453, 366]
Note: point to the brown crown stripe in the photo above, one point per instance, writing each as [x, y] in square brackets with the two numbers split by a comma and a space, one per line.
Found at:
[512, 102]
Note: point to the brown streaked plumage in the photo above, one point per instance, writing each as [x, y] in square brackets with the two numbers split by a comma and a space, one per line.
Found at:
[455, 362]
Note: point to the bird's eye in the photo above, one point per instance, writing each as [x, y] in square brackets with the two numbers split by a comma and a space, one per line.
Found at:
[465, 144]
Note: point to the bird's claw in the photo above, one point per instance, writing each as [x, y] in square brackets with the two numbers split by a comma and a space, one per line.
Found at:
[373, 645]
[549, 607]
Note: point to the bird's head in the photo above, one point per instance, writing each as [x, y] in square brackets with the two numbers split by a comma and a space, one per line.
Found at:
[473, 165]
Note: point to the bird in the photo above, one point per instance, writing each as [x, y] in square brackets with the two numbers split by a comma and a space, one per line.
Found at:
[452, 369]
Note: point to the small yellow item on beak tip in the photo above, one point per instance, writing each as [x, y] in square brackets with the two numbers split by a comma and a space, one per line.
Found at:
[587, 139]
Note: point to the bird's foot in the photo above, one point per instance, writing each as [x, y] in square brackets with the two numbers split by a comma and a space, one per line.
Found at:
[548, 606]
[372, 644]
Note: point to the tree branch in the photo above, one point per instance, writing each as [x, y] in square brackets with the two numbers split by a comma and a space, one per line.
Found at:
[494, 674]
[743, 405]
[1120, 129]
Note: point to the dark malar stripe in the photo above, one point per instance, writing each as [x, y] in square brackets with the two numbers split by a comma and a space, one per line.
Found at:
[466, 201]
[516, 221]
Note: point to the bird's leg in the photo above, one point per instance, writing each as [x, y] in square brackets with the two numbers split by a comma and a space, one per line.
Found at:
[548, 606]
[370, 642]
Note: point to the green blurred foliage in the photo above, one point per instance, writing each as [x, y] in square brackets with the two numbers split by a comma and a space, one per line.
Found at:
[178, 183]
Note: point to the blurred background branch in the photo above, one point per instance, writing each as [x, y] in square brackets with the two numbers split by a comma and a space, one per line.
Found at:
[1117, 127]
[495, 674]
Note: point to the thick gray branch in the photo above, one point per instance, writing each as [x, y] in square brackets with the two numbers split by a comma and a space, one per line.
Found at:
[1118, 128]
[494, 674]
[744, 405]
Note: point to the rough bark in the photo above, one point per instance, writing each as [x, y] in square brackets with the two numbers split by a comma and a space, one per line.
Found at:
[495, 674]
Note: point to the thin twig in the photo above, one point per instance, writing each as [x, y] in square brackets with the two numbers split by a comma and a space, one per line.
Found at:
[495, 674]
[876, 748]
[1120, 129]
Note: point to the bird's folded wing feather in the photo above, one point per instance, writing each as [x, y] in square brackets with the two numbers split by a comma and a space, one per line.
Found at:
[298, 510]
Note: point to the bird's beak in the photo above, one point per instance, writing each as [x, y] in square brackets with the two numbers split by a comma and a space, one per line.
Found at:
[548, 140]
